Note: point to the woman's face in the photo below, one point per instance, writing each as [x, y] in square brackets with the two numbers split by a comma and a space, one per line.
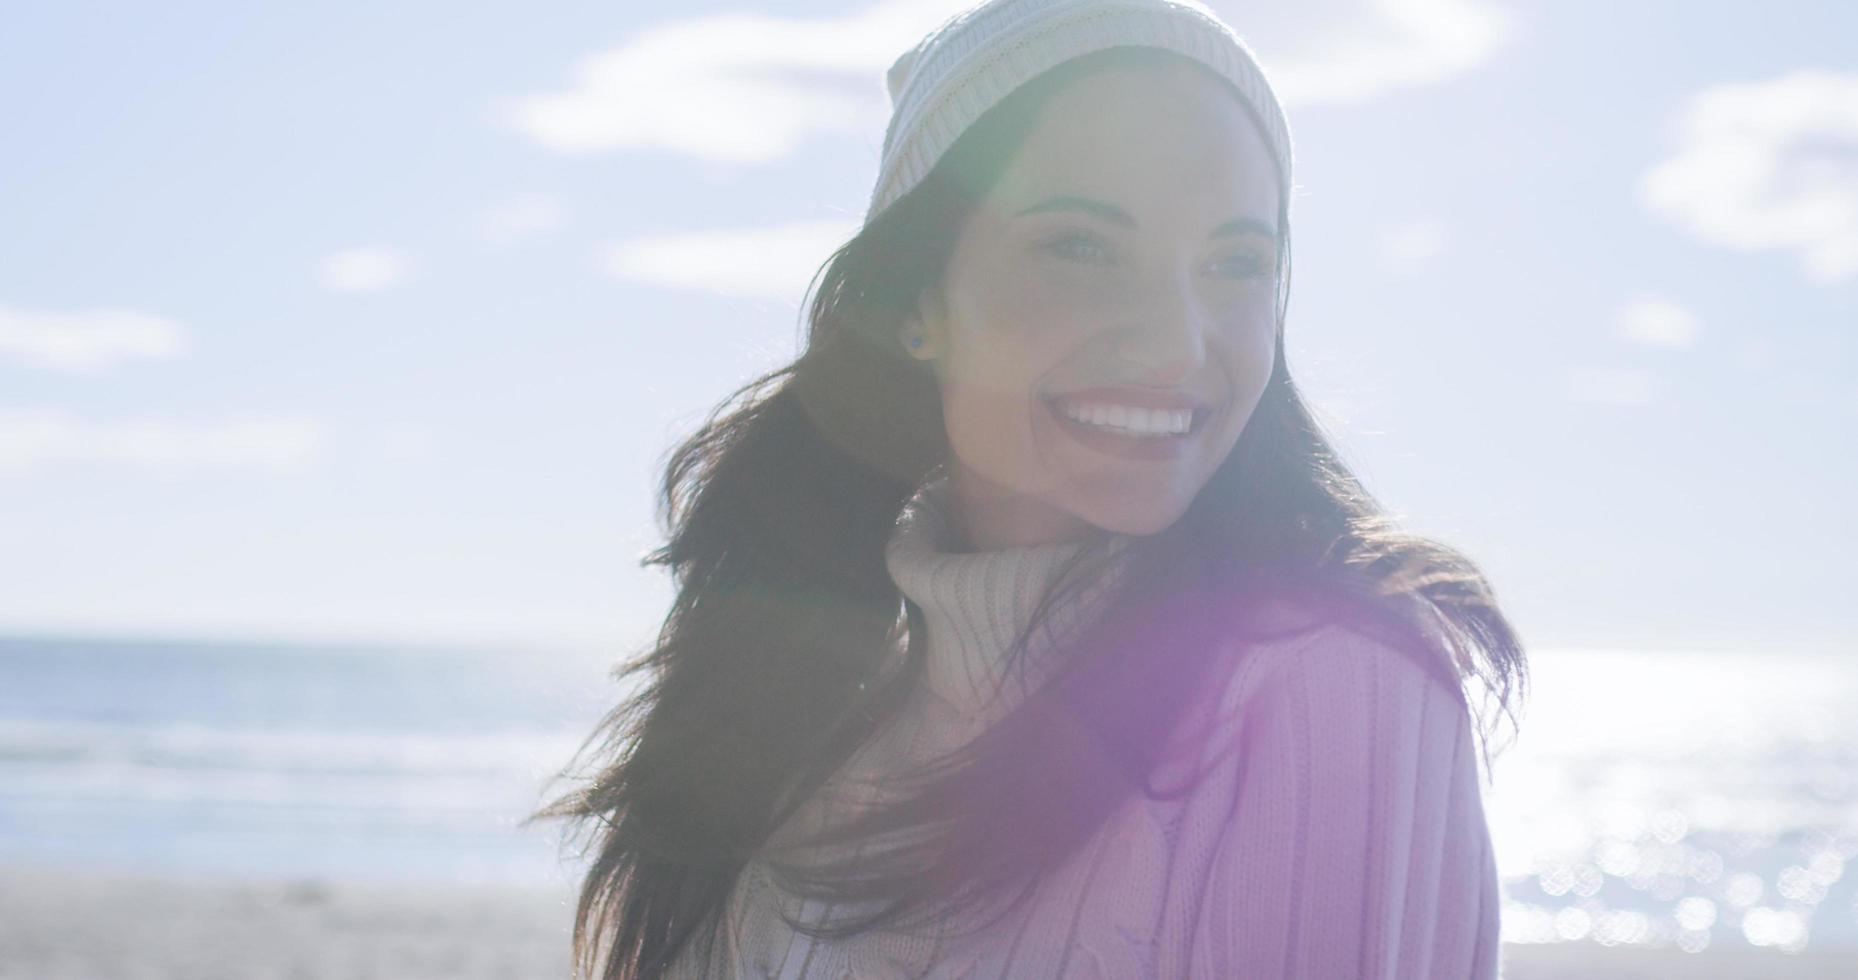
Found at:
[1107, 319]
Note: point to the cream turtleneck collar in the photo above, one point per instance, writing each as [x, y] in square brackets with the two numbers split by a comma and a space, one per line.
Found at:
[976, 603]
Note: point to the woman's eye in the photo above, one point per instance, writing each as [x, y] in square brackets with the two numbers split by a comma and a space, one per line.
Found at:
[1074, 246]
[1085, 248]
[1248, 266]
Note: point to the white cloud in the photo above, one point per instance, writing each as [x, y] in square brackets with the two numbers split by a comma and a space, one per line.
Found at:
[771, 262]
[744, 88]
[84, 340]
[363, 269]
[1656, 322]
[39, 439]
[732, 88]
[1769, 165]
[1407, 248]
[1611, 386]
[1410, 43]
[521, 217]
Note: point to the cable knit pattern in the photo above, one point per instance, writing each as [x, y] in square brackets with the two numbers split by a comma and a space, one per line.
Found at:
[975, 603]
[1341, 833]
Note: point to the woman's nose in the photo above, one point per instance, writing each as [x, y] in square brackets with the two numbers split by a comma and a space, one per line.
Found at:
[1166, 334]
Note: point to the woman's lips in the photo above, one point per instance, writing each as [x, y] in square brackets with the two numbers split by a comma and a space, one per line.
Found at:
[1159, 399]
[1153, 447]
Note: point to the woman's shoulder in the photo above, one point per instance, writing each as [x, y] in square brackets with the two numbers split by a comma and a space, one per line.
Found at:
[1342, 772]
[1313, 638]
[1337, 689]
[1338, 656]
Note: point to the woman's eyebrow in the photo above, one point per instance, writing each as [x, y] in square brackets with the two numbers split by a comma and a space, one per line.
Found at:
[1116, 215]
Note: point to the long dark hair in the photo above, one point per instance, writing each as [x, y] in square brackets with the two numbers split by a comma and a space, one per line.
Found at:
[770, 669]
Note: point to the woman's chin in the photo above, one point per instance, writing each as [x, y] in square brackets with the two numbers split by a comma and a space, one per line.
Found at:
[1138, 521]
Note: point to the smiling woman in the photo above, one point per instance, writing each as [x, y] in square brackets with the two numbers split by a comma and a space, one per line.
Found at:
[1100, 350]
[1027, 625]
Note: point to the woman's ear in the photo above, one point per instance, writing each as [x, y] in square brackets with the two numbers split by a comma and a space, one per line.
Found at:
[922, 330]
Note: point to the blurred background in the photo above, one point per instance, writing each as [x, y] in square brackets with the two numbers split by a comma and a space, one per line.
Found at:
[340, 346]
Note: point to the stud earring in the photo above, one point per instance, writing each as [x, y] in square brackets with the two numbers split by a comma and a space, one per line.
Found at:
[915, 342]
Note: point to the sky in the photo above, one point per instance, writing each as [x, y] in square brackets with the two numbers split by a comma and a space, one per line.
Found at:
[374, 322]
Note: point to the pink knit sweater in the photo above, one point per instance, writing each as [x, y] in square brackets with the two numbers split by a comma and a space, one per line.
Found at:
[1345, 838]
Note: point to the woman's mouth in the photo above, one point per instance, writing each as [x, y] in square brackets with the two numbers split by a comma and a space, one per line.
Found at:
[1130, 423]
[1130, 420]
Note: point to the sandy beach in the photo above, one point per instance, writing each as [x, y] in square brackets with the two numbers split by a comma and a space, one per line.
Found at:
[96, 926]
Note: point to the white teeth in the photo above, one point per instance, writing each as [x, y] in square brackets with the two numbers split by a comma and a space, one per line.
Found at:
[1129, 420]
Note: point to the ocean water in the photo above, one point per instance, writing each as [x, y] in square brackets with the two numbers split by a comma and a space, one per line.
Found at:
[1652, 799]
[289, 761]
[1682, 800]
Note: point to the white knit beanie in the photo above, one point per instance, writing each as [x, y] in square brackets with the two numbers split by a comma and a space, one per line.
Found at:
[964, 67]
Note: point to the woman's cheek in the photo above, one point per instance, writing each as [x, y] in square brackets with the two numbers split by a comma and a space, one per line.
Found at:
[1017, 343]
